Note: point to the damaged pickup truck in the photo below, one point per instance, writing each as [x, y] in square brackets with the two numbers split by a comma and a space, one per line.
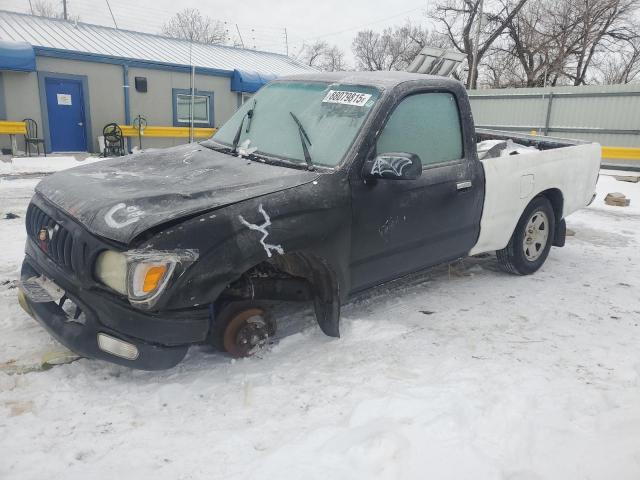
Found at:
[318, 187]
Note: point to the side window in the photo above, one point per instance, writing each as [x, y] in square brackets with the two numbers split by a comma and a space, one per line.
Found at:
[202, 108]
[427, 124]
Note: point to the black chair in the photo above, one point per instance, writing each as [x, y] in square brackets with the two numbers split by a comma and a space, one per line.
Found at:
[113, 140]
[31, 138]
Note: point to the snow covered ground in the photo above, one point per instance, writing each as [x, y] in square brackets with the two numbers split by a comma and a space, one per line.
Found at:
[31, 165]
[463, 372]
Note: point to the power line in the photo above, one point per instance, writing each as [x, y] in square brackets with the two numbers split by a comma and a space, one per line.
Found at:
[350, 29]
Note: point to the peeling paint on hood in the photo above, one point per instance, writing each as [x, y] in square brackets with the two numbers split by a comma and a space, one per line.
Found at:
[122, 197]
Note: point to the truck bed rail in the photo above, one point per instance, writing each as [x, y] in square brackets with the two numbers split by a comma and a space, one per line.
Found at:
[537, 141]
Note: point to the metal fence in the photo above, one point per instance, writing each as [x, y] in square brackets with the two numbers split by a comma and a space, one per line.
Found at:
[609, 115]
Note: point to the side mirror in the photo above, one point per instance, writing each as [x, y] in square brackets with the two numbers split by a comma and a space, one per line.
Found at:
[393, 166]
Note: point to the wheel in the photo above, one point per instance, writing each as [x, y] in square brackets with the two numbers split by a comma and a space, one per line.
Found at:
[531, 241]
[242, 328]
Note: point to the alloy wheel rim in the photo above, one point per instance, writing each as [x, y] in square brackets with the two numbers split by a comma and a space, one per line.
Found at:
[536, 235]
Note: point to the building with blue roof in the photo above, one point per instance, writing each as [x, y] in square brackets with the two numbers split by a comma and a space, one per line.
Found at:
[73, 78]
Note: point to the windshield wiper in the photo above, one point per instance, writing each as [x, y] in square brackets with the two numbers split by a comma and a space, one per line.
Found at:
[304, 138]
[250, 115]
[236, 139]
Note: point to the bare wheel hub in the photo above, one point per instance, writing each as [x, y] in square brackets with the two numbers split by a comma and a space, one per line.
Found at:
[247, 332]
[536, 235]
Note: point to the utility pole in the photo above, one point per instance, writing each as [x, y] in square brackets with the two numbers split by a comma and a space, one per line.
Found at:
[474, 66]
[64, 9]
[286, 40]
[193, 90]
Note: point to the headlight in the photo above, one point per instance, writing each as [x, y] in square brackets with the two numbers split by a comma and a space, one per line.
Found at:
[142, 275]
[111, 269]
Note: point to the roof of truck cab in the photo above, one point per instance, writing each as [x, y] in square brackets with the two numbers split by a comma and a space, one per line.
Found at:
[382, 79]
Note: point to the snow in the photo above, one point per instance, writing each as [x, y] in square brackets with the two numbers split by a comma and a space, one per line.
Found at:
[461, 372]
[30, 165]
[501, 148]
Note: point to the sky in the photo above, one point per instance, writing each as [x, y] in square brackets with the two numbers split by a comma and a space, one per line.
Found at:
[260, 23]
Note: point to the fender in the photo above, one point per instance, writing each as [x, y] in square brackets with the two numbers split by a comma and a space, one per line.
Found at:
[305, 231]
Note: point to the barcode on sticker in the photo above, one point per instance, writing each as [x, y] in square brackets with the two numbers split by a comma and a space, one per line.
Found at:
[345, 97]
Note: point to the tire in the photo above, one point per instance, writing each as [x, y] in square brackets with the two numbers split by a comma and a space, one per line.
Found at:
[531, 241]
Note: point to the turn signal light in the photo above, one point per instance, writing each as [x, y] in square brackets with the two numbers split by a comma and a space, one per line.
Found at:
[153, 277]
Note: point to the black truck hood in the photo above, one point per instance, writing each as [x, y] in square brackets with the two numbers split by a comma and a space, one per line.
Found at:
[121, 198]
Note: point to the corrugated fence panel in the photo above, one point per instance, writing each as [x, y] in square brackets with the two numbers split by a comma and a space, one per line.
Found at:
[507, 111]
[609, 115]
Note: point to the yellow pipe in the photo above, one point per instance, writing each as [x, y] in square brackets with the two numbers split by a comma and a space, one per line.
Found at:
[12, 128]
[621, 153]
[19, 128]
[167, 132]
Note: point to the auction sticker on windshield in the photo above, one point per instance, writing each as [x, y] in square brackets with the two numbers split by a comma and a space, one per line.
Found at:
[345, 97]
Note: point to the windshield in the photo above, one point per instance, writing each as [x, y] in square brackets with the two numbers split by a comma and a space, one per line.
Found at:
[330, 114]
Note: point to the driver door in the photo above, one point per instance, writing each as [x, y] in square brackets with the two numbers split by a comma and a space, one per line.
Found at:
[400, 226]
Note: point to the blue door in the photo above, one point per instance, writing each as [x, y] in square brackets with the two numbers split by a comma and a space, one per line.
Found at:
[65, 108]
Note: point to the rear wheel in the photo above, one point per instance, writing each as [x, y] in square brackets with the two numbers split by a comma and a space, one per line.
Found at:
[243, 328]
[531, 241]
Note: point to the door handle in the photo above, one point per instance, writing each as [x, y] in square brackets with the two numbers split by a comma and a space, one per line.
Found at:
[463, 186]
[80, 124]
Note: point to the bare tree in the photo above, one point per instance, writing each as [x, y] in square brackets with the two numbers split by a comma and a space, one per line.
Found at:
[623, 67]
[501, 69]
[44, 8]
[541, 38]
[601, 26]
[334, 60]
[323, 56]
[370, 51]
[190, 24]
[458, 17]
[569, 41]
[393, 48]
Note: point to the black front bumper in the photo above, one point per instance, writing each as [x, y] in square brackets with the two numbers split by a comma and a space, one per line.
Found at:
[82, 338]
[162, 338]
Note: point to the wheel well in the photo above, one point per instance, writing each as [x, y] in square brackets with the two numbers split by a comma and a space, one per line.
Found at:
[557, 201]
[296, 264]
[302, 270]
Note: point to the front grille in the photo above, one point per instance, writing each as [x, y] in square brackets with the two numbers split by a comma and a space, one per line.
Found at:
[57, 242]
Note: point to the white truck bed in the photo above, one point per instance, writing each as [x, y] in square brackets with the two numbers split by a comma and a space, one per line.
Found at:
[512, 181]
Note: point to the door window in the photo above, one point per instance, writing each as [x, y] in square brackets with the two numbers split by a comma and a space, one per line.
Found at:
[427, 124]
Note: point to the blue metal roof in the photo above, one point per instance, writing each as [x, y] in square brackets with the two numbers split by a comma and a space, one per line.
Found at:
[53, 37]
[17, 56]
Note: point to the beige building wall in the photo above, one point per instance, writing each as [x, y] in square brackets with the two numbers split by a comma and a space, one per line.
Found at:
[21, 100]
[106, 97]
[156, 105]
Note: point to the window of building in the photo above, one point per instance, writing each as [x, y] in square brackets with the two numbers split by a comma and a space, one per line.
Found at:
[202, 108]
[427, 124]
